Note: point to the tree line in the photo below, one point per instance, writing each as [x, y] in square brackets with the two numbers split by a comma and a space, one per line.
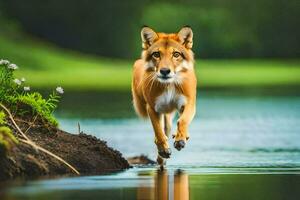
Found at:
[222, 29]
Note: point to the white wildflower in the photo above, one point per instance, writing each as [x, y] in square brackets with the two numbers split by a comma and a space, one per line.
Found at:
[27, 88]
[23, 79]
[17, 81]
[60, 90]
[13, 66]
[4, 62]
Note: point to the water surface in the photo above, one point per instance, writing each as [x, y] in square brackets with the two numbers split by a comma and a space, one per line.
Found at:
[228, 131]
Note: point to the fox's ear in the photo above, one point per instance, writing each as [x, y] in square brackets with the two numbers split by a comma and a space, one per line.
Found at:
[186, 37]
[148, 37]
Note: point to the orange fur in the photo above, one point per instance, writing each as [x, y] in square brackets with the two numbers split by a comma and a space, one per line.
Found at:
[157, 95]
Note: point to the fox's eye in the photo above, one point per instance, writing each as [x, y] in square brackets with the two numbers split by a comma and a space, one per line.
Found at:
[176, 54]
[156, 54]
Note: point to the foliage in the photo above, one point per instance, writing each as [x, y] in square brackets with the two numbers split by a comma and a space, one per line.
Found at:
[6, 79]
[41, 106]
[7, 139]
[223, 29]
[2, 117]
[20, 100]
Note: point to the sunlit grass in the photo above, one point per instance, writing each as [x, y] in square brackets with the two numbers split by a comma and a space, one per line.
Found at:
[46, 66]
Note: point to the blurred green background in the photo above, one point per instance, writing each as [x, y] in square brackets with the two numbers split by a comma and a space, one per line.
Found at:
[92, 44]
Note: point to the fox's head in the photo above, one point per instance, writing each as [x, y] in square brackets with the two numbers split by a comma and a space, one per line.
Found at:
[168, 56]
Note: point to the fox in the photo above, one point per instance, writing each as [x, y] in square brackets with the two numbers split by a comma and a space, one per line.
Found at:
[164, 83]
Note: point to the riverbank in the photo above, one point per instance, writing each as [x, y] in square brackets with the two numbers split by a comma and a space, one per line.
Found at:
[87, 154]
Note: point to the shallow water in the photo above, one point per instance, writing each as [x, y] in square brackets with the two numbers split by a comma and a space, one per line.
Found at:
[240, 147]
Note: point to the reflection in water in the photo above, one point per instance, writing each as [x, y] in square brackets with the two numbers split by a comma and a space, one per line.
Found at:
[181, 186]
[153, 184]
[166, 186]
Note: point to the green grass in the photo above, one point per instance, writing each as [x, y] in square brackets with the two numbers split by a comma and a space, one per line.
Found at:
[47, 66]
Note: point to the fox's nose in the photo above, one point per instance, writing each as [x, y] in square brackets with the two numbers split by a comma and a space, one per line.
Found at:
[165, 71]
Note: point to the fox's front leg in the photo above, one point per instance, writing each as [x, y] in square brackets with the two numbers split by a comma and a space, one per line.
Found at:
[161, 140]
[187, 114]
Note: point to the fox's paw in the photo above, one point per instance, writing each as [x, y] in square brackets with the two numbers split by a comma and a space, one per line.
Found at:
[179, 144]
[180, 140]
[163, 148]
[165, 153]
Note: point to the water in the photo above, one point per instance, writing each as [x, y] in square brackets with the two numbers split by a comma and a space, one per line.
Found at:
[240, 147]
[228, 131]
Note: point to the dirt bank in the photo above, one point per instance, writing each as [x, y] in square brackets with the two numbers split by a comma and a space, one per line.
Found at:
[86, 153]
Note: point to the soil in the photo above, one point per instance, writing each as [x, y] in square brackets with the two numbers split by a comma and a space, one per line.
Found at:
[89, 155]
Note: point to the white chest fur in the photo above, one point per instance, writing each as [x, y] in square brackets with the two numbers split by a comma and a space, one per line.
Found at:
[169, 100]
